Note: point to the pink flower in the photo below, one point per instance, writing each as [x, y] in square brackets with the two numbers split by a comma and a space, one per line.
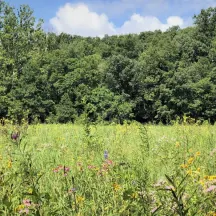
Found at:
[25, 211]
[55, 170]
[27, 202]
[210, 189]
[91, 167]
[67, 169]
[109, 162]
[60, 167]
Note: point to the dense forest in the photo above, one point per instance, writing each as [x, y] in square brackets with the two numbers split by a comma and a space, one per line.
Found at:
[148, 77]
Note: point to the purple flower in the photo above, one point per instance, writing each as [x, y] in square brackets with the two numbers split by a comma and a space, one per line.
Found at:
[72, 190]
[14, 135]
[105, 154]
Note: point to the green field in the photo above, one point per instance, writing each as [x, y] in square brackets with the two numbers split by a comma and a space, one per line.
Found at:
[149, 170]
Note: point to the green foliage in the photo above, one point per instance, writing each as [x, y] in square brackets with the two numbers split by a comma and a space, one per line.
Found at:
[147, 77]
[71, 169]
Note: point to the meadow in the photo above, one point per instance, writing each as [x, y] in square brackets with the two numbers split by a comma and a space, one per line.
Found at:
[130, 169]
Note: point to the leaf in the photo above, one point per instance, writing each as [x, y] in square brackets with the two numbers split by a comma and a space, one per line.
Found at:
[170, 181]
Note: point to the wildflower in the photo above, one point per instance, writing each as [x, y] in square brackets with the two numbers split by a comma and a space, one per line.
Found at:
[198, 169]
[134, 195]
[202, 182]
[66, 170]
[91, 167]
[189, 172]
[116, 187]
[198, 153]
[27, 202]
[210, 189]
[0, 157]
[184, 166]
[109, 162]
[55, 170]
[211, 178]
[96, 169]
[20, 207]
[105, 154]
[177, 144]
[15, 136]
[30, 190]
[211, 213]
[190, 161]
[72, 190]
[24, 211]
[80, 199]
[60, 167]
[9, 163]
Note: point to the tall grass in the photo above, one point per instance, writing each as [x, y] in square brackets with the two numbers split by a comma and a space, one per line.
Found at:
[108, 170]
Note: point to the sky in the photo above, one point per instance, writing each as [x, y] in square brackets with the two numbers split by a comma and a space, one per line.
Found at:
[114, 17]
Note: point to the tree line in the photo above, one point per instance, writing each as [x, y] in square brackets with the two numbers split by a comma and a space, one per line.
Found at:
[148, 77]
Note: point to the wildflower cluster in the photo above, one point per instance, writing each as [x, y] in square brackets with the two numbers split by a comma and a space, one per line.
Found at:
[26, 206]
[61, 168]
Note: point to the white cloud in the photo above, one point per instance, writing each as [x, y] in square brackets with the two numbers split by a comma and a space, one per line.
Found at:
[138, 23]
[80, 20]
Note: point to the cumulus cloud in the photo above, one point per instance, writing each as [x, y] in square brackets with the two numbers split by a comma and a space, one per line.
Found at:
[138, 23]
[78, 19]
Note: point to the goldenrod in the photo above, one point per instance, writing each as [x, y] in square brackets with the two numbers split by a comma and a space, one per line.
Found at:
[190, 160]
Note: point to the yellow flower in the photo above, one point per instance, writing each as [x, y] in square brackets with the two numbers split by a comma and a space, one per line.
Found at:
[198, 153]
[198, 169]
[205, 177]
[202, 182]
[79, 199]
[30, 190]
[190, 161]
[177, 144]
[211, 213]
[0, 157]
[189, 172]
[211, 178]
[116, 187]
[134, 195]
[20, 207]
[184, 166]
[9, 164]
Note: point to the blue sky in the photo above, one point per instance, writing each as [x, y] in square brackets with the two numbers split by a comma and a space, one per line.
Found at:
[99, 17]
